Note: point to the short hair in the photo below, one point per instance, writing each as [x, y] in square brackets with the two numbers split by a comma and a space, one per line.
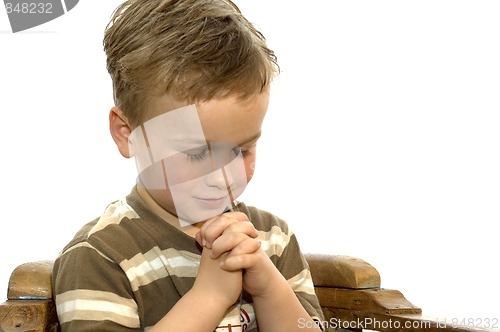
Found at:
[195, 50]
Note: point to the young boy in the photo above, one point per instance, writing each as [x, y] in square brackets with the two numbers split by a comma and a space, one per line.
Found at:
[191, 82]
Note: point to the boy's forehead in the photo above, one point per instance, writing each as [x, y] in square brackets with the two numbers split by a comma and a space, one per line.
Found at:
[188, 126]
[178, 121]
[179, 125]
[228, 119]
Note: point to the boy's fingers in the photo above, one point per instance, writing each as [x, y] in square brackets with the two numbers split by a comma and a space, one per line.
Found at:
[240, 216]
[226, 243]
[199, 239]
[213, 228]
[245, 228]
[234, 243]
[242, 257]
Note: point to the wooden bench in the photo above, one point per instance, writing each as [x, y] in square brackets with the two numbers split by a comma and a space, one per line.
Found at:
[348, 289]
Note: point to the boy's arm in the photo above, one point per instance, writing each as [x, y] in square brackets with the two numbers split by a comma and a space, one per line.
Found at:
[203, 307]
[277, 307]
[280, 310]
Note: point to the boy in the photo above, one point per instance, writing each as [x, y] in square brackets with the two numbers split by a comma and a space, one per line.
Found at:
[191, 83]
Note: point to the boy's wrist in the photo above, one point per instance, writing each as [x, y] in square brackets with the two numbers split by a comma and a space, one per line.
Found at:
[275, 287]
[212, 298]
[215, 285]
[263, 279]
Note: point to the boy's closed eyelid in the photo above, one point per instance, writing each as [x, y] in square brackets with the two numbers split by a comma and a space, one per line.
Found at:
[196, 154]
[197, 150]
[202, 152]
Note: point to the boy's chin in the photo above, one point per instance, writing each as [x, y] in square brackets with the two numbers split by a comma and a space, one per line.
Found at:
[197, 215]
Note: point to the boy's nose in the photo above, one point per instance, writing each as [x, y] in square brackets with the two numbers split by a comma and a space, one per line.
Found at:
[220, 179]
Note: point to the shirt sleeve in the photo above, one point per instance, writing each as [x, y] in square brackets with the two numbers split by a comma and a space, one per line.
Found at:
[92, 293]
[295, 268]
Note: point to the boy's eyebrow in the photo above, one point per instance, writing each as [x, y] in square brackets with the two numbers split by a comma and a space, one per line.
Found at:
[190, 140]
[198, 141]
[251, 139]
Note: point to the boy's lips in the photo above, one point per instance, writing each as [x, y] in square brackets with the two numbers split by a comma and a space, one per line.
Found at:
[212, 203]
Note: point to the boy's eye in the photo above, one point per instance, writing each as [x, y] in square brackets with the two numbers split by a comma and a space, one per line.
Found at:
[201, 154]
[196, 154]
[237, 150]
[244, 152]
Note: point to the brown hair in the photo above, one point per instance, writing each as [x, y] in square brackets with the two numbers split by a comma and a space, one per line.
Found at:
[195, 50]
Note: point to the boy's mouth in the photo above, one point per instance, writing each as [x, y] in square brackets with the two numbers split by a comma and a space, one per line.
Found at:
[212, 203]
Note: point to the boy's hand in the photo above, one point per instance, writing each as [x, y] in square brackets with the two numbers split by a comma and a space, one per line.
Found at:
[234, 237]
[260, 276]
[221, 286]
[225, 232]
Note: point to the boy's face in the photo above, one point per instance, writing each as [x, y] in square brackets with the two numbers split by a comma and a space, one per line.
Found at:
[195, 159]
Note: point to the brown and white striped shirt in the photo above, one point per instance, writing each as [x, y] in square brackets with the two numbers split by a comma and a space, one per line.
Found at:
[125, 270]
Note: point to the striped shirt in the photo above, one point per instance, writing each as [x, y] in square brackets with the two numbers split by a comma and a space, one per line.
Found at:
[125, 270]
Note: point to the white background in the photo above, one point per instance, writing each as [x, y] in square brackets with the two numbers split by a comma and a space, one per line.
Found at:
[382, 139]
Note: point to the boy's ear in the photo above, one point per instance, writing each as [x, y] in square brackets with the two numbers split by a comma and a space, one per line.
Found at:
[120, 131]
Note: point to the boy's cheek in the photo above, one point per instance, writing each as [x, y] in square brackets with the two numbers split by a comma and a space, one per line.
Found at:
[152, 177]
[249, 168]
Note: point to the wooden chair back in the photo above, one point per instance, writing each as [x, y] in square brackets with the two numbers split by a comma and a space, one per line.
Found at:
[348, 289]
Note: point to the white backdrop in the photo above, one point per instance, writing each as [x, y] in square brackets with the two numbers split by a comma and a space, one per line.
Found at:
[382, 139]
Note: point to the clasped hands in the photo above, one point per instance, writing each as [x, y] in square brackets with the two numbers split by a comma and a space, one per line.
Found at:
[232, 259]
